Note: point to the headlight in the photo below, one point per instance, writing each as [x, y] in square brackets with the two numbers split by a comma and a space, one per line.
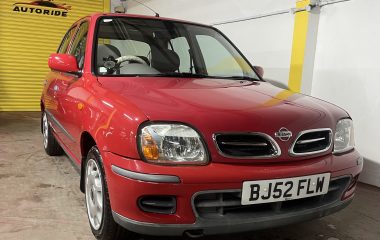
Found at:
[172, 144]
[344, 136]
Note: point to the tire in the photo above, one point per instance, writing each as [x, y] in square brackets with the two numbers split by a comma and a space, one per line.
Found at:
[51, 145]
[98, 206]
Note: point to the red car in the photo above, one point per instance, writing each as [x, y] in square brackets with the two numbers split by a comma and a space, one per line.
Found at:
[176, 133]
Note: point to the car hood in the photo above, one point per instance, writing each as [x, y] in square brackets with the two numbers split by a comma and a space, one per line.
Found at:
[220, 105]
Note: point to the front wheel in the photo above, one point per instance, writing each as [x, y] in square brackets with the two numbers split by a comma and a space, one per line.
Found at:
[99, 210]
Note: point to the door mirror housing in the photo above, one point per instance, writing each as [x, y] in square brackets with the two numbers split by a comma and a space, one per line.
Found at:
[259, 70]
[63, 63]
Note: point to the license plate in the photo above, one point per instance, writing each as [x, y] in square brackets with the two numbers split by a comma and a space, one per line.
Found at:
[266, 191]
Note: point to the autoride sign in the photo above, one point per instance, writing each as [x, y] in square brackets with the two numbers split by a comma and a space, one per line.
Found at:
[42, 7]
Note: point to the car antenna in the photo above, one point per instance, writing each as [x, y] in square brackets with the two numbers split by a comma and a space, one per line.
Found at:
[146, 6]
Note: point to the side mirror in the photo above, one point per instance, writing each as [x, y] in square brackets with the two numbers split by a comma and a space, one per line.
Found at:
[259, 70]
[63, 63]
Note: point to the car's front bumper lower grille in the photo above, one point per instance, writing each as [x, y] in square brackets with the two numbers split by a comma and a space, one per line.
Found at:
[227, 204]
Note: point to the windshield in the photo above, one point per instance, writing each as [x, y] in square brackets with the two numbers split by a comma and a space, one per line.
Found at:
[138, 47]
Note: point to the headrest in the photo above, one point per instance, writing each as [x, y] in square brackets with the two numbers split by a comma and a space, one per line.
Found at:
[104, 51]
[164, 60]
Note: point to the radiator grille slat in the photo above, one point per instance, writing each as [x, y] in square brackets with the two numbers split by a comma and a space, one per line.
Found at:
[312, 142]
[246, 145]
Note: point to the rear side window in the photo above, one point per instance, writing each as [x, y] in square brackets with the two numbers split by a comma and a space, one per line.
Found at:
[66, 40]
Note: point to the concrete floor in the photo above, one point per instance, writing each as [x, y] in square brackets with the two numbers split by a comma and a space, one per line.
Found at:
[40, 197]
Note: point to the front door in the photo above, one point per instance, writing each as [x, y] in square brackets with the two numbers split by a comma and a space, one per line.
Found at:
[69, 95]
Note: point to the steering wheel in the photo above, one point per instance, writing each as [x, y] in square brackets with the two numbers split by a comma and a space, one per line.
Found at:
[130, 58]
[112, 64]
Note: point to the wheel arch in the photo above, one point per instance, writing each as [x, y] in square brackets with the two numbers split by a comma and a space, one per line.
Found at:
[86, 143]
[42, 106]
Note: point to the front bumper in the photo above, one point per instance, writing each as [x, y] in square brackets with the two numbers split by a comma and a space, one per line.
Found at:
[201, 227]
[129, 179]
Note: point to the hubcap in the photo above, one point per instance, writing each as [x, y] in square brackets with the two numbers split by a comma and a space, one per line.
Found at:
[94, 194]
[45, 130]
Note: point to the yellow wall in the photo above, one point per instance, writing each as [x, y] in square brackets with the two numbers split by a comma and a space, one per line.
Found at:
[26, 41]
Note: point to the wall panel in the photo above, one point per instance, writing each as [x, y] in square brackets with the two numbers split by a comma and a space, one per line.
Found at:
[347, 71]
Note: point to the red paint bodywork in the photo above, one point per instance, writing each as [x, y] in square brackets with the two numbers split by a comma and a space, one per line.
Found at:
[115, 107]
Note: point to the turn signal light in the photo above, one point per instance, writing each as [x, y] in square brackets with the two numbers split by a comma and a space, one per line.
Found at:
[149, 147]
[150, 152]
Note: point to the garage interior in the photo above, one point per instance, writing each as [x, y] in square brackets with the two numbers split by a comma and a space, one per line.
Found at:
[323, 48]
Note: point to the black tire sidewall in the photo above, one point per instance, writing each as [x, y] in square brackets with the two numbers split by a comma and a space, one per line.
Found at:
[108, 228]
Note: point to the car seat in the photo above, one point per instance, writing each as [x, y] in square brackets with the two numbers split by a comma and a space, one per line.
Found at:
[165, 60]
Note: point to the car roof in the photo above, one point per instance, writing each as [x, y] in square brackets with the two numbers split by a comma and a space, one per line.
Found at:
[98, 15]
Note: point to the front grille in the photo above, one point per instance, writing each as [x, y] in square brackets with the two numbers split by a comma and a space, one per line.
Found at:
[246, 145]
[312, 142]
[227, 204]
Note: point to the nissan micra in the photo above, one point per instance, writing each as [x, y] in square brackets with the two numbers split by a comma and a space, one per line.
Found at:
[174, 132]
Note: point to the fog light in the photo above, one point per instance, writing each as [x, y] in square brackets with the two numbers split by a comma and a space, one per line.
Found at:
[158, 204]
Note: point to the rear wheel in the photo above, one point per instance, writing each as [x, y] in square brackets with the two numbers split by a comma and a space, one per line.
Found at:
[99, 210]
[51, 145]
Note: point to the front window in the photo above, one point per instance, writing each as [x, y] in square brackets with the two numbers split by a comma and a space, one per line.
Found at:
[78, 48]
[66, 40]
[138, 47]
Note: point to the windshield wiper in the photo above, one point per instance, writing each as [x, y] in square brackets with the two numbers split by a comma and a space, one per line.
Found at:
[198, 75]
[183, 74]
[240, 78]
